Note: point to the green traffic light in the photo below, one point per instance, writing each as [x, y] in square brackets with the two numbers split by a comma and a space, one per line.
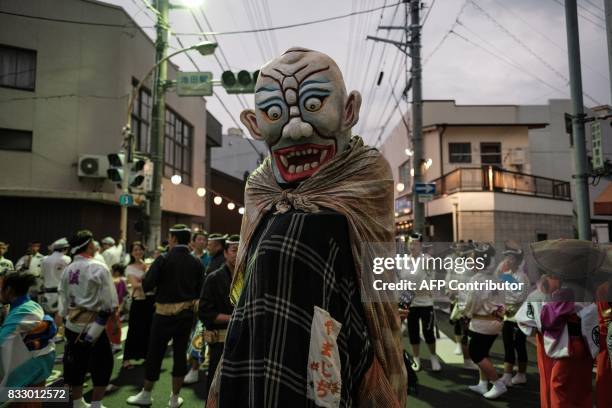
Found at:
[228, 79]
[244, 78]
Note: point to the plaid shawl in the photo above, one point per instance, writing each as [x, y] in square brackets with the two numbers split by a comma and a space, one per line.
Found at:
[358, 184]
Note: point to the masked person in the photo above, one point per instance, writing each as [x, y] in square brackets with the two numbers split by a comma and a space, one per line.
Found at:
[216, 243]
[515, 342]
[5, 264]
[177, 278]
[299, 334]
[87, 297]
[485, 308]
[215, 308]
[563, 320]
[27, 351]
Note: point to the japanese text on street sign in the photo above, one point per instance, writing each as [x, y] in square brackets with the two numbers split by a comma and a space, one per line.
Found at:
[194, 83]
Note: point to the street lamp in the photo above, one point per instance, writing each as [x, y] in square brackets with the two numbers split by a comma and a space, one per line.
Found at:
[176, 179]
[191, 3]
[204, 48]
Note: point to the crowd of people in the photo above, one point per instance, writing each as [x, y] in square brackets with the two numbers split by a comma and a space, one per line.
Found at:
[83, 292]
[566, 306]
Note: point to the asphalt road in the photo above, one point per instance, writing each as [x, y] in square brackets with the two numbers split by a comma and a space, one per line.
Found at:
[447, 388]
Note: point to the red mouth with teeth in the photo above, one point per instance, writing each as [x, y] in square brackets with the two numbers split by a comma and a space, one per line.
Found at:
[299, 162]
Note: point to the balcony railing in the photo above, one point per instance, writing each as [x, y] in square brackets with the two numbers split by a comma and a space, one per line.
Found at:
[504, 181]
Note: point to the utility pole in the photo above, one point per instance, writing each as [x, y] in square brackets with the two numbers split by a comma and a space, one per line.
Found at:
[583, 209]
[128, 151]
[418, 208]
[608, 12]
[158, 125]
[414, 45]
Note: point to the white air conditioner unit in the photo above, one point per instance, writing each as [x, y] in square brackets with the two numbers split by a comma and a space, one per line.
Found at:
[92, 166]
[517, 156]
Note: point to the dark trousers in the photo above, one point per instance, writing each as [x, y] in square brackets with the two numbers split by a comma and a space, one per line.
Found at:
[80, 358]
[139, 328]
[216, 350]
[425, 314]
[163, 329]
[514, 340]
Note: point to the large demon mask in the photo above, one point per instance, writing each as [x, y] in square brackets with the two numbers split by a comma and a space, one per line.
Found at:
[303, 112]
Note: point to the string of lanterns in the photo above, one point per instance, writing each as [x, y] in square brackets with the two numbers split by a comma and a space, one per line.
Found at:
[218, 197]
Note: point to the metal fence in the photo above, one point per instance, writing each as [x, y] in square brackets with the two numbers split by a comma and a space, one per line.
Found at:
[498, 180]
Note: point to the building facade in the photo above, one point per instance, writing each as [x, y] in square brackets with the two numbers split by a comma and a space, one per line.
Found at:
[500, 172]
[63, 95]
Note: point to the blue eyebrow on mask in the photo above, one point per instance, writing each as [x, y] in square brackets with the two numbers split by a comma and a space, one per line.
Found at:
[314, 81]
[266, 88]
[267, 102]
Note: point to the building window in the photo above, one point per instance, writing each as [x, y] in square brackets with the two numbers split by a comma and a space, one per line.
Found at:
[540, 236]
[17, 140]
[141, 119]
[404, 175]
[490, 153]
[178, 147]
[17, 68]
[460, 152]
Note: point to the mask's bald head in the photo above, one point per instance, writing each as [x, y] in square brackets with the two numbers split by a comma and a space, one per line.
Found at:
[302, 111]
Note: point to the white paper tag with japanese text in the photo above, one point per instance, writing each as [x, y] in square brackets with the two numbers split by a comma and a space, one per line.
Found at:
[324, 371]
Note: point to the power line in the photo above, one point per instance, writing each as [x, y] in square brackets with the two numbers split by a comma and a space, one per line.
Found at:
[268, 14]
[546, 37]
[223, 104]
[445, 37]
[518, 41]
[249, 15]
[582, 15]
[61, 20]
[526, 47]
[509, 62]
[428, 11]
[594, 5]
[284, 27]
[350, 39]
[242, 103]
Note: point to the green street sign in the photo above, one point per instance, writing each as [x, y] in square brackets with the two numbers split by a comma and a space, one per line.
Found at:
[194, 84]
[126, 200]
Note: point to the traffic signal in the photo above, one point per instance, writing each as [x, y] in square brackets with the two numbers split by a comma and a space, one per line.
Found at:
[242, 82]
[140, 172]
[137, 176]
[115, 167]
[141, 175]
